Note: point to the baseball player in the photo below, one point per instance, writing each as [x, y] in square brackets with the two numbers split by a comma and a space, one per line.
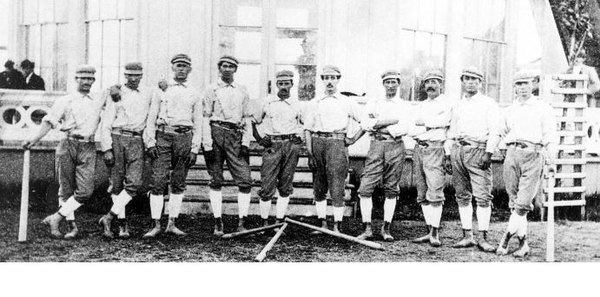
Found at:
[431, 159]
[387, 120]
[173, 134]
[122, 125]
[227, 131]
[529, 130]
[327, 143]
[473, 136]
[78, 115]
[281, 117]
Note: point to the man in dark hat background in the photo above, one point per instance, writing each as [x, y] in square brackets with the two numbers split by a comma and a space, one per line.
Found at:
[173, 136]
[11, 78]
[78, 115]
[32, 80]
[281, 118]
[473, 137]
[122, 127]
[227, 130]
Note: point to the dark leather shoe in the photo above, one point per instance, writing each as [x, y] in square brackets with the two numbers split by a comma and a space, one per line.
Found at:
[368, 233]
[241, 225]
[73, 233]
[523, 249]
[483, 244]
[434, 239]
[503, 245]
[124, 230]
[152, 233]
[386, 231]
[323, 225]
[53, 221]
[218, 227]
[105, 221]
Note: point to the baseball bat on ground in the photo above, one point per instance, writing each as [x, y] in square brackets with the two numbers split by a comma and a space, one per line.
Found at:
[24, 198]
[270, 245]
[370, 244]
[251, 231]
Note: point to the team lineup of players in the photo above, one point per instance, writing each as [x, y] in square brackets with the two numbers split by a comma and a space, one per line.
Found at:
[172, 124]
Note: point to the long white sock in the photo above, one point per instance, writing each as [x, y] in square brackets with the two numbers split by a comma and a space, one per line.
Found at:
[522, 226]
[156, 206]
[436, 215]
[321, 209]
[483, 217]
[282, 204]
[69, 217]
[243, 204]
[69, 207]
[119, 203]
[426, 208]
[175, 201]
[265, 208]
[366, 208]
[338, 214]
[466, 216]
[389, 207]
[513, 223]
[216, 202]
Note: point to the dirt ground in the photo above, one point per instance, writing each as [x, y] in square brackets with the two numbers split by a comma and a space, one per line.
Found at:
[575, 242]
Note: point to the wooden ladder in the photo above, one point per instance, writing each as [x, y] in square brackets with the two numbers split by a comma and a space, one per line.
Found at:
[568, 95]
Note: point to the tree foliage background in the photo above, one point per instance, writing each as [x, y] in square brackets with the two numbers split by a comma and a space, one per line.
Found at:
[578, 23]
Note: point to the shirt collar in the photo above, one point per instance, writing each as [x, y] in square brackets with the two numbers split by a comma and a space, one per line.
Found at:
[335, 95]
[128, 89]
[531, 101]
[173, 82]
[223, 84]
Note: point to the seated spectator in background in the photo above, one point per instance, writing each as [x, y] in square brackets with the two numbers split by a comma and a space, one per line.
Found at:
[32, 80]
[11, 78]
[578, 67]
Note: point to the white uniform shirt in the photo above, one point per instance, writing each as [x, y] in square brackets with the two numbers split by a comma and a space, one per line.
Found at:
[280, 117]
[331, 113]
[476, 118]
[76, 113]
[435, 115]
[389, 109]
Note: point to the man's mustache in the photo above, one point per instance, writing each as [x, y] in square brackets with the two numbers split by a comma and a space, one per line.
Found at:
[430, 89]
[330, 85]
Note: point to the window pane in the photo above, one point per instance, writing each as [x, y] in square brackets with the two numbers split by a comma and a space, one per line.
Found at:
[108, 9]
[241, 12]
[442, 8]
[426, 15]
[93, 9]
[33, 44]
[127, 8]
[110, 76]
[249, 76]
[110, 44]
[410, 18]
[61, 73]
[128, 44]
[61, 11]
[246, 45]
[95, 44]
[46, 11]
[30, 11]
[297, 14]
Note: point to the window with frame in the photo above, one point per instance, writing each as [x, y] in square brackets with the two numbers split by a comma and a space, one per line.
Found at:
[44, 23]
[267, 36]
[484, 41]
[111, 38]
[424, 38]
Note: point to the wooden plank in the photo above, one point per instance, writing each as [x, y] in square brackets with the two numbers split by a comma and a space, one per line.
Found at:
[569, 105]
[571, 133]
[570, 147]
[306, 210]
[569, 189]
[570, 161]
[571, 119]
[565, 76]
[568, 91]
[562, 203]
[570, 175]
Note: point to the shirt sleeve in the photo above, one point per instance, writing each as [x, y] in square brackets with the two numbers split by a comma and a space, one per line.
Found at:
[208, 100]
[405, 120]
[355, 111]
[309, 115]
[57, 111]
[246, 119]
[549, 135]
[108, 117]
[369, 118]
[259, 115]
[197, 118]
[493, 123]
[149, 135]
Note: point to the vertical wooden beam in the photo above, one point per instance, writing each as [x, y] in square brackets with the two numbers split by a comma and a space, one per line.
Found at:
[509, 53]
[454, 62]
[77, 39]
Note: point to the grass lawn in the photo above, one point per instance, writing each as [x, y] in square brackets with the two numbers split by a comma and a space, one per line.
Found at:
[575, 242]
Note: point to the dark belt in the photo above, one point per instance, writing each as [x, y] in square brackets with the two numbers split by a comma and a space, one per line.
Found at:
[226, 125]
[174, 129]
[329, 135]
[80, 138]
[283, 137]
[126, 132]
[384, 137]
[523, 145]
